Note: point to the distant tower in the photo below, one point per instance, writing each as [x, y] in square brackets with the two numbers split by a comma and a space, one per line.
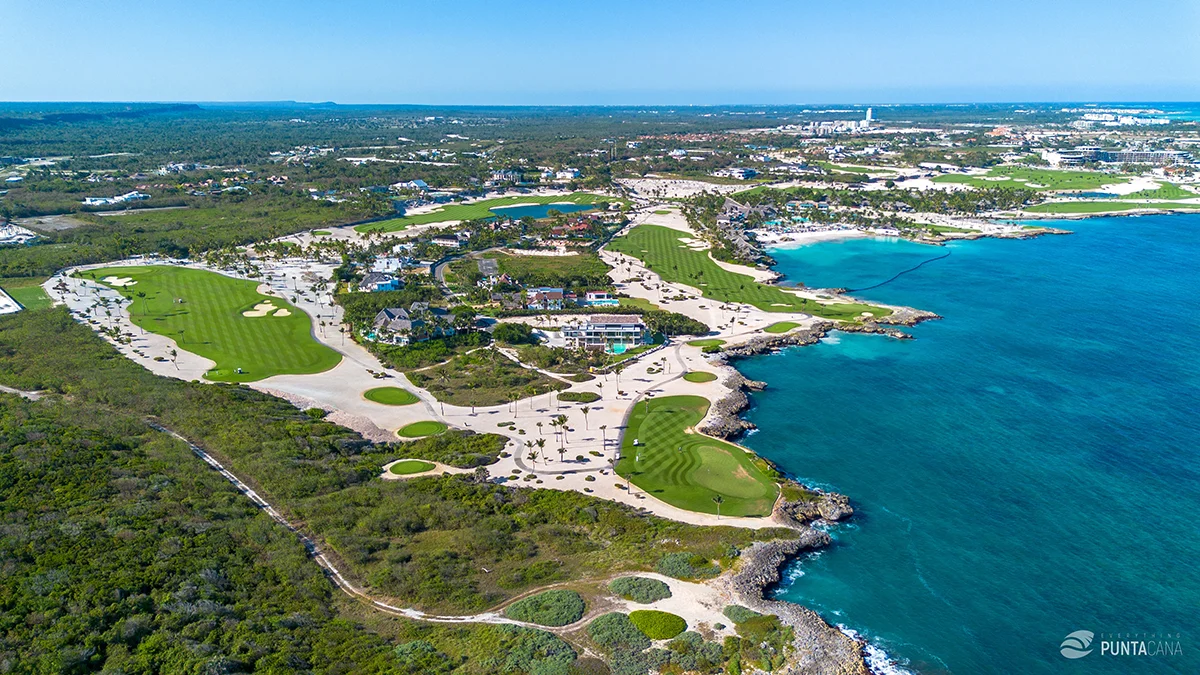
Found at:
[869, 116]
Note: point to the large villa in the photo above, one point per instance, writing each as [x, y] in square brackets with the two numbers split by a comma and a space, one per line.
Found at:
[610, 332]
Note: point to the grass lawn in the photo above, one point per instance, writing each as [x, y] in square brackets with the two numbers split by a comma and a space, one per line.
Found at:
[1047, 179]
[420, 429]
[391, 396]
[407, 467]
[657, 625]
[210, 321]
[582, 269]
[1164, 191]
[321, 233]
[660, 249]
[706, 342]
[27, 291]
[480, 209]
[686, 469]
[662, 212]
[640, 303]
[1103, 207]
[483, 378]
[699, 376]
[781, 327]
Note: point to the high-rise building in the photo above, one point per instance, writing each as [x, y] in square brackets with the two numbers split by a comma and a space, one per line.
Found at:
[869, 116]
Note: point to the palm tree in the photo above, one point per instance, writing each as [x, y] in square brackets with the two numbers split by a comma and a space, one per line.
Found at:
[174, 354]
[561, 452]
[539, 426]
[585, 410]
[718, 499]
[604, 435]
[541, 444]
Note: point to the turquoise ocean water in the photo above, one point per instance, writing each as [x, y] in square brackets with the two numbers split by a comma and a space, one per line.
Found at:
[1027, 467]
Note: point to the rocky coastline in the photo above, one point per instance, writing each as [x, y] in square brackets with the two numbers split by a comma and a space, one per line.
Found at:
[819, 648]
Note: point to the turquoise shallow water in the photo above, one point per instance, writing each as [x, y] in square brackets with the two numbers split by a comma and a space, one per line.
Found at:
[1027, 467]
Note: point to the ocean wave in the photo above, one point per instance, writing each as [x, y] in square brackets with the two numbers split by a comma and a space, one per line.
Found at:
[878, 660]
[831, 339]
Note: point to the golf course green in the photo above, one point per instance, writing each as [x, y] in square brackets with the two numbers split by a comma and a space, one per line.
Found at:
[706, 342]
[407, 467]
[688, 470]
[223, 319]
[421, 429]
[699, 376]
[391, 396]
[662, 251]
[1035, 179]
[781, 327]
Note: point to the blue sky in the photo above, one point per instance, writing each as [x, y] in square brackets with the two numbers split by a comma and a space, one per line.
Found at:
[600, 52]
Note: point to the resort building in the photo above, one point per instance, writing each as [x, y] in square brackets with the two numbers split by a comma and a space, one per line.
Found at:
[378, 281]
[600, 299]
[119, 199]
[544, 298]
[418, 323]
[610, 332]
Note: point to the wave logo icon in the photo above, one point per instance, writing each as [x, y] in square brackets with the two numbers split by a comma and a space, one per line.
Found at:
[1077, 645]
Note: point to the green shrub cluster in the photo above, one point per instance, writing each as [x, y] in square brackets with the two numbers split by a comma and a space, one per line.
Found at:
[579, 396]
[463, 449]
[550, 608]
[658, 625]
[640, 589]
[683, 565]
[739, 614]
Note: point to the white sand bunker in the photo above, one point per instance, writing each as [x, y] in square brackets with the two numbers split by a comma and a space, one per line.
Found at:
[265, 309]
[119, 281]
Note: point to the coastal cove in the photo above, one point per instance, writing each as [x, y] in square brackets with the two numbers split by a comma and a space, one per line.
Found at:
[1025, 468]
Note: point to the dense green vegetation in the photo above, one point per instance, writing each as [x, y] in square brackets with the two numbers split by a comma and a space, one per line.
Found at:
[658, 625]
[178, 232]
[462, 449]
[421, 541]
[640, 589]
[687, 566]
[558, 607]
[579, 396]
[739, 614]
[477, 210]
[421, 429]
[700, 376]
[391, 396]
[582, 270]
[204, 313]
[662, 251]
[483, 378]
[690, 470]
[407, 467]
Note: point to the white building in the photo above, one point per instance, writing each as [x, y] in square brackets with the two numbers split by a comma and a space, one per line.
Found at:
[610, 332]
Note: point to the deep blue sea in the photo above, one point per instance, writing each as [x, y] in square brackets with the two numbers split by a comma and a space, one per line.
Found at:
[1028, 467]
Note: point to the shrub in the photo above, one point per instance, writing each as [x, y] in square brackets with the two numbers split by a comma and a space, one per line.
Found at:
[687, 566]
[578, 396]
[462, 449]
[550, 608]
[614, 631]
[658, 625]
[514, 334]
[739, 614]
[640, 589]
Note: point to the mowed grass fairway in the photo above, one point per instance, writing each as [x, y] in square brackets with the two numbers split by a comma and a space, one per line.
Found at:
[687, 469]
[662, 251]
[27, 291]
[1042, 179]
[1105, 206]
[480, 209]
[209, 322]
